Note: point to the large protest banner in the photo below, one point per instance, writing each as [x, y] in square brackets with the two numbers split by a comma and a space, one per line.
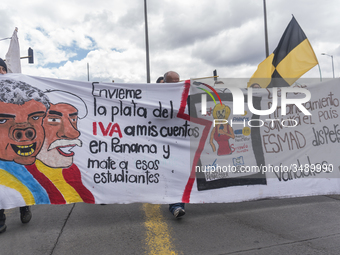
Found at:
[67, 141]
[269, 155]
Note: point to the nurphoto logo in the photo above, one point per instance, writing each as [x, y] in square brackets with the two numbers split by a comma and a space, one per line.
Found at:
[238, 105]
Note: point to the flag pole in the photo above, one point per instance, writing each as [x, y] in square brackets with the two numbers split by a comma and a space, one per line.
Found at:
[88, 72]
[265, 28]
[320, 72]
[147, 44]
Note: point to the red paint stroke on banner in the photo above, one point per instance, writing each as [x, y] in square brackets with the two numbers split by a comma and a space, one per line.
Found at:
[207, 125]
[73, 177]
[53, 193]
[218, 96]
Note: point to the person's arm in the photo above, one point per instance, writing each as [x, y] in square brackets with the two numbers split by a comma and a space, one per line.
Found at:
[225, 131]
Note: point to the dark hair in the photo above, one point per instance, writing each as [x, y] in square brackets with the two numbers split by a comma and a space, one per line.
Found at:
[160, 79]
[3, 64]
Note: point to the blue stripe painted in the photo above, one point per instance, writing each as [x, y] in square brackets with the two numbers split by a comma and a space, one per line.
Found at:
[22, 174]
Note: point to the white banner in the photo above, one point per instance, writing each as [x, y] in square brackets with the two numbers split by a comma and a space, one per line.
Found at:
[67, 141]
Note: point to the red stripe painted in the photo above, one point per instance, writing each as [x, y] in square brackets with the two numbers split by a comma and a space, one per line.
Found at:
[53, 193]
[184, 98]
[73, 177]
[207, 125]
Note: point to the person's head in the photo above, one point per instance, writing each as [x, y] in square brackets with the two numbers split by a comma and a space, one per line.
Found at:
[171, 77]
[61, 130]
[160, 79]
[3, 66]
[22, 108]
[255, 85]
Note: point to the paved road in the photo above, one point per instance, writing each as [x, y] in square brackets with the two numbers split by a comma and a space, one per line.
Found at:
[309, 225]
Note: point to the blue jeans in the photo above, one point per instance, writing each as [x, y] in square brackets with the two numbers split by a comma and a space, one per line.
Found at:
[172, 207]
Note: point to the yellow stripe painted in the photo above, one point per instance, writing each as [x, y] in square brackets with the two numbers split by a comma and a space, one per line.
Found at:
[297, 62]
[56, 177]
[263, 74]
[158, 237]
[9, 180]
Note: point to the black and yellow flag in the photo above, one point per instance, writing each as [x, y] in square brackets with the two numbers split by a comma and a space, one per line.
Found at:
[293, 57]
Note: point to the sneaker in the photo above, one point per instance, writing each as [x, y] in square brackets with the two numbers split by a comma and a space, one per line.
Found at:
[179, 212]
[3, 228]
[25, 214]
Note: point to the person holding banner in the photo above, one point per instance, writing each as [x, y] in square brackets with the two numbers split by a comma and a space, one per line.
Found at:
[160, 79]
[3, 66]
[176, 209]
[171, 77]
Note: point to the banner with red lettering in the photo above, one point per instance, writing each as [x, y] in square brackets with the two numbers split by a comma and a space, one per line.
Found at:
[68, 141]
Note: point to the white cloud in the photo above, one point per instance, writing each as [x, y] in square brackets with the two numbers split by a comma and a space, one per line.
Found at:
[190, 37]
